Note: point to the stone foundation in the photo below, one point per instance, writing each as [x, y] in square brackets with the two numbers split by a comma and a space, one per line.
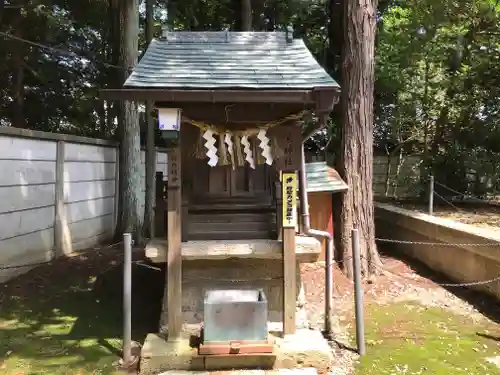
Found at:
[306, 348]
[237, 264]
[200, 276]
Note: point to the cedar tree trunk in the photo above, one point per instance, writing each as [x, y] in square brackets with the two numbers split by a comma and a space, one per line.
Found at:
[129, 130]
[356, 155]
[148, 229]
[246, 15]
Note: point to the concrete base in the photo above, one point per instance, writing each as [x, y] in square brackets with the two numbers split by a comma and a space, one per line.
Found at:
[306, 348]
[461, 262]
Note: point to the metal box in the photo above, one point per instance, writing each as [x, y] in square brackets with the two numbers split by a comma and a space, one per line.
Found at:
[235, 315]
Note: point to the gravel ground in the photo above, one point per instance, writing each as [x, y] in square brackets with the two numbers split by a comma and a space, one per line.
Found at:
[482, 216]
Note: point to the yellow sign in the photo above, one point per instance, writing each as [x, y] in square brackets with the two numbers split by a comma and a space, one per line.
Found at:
[289, 183]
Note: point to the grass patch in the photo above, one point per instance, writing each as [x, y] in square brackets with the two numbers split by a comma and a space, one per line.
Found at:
[407, 338]
[66, 318]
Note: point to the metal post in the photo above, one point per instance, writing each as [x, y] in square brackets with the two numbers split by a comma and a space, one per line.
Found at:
[127, 298]
[431, 195]
[358, 293]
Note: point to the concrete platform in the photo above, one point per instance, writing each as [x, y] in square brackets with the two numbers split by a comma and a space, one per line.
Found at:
[306, 348]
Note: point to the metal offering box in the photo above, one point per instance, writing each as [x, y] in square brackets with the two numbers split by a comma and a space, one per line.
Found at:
[235, 315]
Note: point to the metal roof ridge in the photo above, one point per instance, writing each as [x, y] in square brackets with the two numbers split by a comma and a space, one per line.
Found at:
[222, 37]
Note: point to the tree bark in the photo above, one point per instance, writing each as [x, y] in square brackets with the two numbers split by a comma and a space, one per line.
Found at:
[18, 119]
[148, 229]
[246, 15]
[356, 157]
[129, 129]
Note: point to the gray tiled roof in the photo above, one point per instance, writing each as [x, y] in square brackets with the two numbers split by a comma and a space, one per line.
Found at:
[220, 59]
[323, 178]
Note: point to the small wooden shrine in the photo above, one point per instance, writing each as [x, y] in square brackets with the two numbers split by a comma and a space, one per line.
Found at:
[241, 98]
[322, 182]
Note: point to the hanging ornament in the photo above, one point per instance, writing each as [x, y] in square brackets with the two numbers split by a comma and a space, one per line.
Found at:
[223, 159]
[211, 149]
[240, 161]
[200, 147]
[230, 149]
[265, 146]
[277, 150]
[247, 151]
[259, 159]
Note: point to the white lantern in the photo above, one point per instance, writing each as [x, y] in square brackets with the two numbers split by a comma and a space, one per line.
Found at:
[169, 119]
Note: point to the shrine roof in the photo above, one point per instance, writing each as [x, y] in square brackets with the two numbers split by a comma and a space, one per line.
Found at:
[323, 178]
[229, 60]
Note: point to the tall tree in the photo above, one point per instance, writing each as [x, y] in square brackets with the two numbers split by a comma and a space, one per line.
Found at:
[150, 142]
[246, 15]
[356, 155]
[18, 94]
[129, 130]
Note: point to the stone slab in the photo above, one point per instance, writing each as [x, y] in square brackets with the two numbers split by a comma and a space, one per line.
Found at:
[308, 249]
[159, 355]
[306, 348]
[296, 371]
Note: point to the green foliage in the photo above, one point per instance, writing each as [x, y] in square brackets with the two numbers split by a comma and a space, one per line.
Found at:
[437, 71]
[437, 88]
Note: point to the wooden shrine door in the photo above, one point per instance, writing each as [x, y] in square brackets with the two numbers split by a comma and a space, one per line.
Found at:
[224, 181]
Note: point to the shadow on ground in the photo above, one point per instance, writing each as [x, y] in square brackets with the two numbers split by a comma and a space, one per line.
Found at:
[73, 310]
[484, 303]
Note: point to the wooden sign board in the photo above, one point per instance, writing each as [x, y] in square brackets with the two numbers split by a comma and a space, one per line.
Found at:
[289, 184]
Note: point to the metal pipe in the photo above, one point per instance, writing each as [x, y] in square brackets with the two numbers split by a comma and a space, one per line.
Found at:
[304, 203]
[358, 293]
[127, 299]
[431, 195]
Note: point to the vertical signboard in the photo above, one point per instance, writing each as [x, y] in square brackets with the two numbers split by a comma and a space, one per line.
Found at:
[289, 183]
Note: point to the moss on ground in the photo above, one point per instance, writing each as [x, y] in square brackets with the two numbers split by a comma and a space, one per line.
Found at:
[66, 319]
[407, 338]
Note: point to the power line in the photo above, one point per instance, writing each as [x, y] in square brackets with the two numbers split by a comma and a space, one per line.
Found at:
[53, 49]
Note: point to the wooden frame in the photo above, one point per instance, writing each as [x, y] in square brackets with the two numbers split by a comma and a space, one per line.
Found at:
[288, 228]
[174, 235]
[323, 97]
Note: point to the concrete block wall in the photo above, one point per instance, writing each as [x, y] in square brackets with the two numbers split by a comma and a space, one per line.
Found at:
[58, 195]
[89, 191]
[27, 201]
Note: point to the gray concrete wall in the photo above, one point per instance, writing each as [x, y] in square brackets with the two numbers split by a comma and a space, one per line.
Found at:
[462, 263]
[57, 195]
[89, 195]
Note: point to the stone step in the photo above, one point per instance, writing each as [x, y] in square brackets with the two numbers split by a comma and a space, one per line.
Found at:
[230, 217]
[297, 371]
[229, 234]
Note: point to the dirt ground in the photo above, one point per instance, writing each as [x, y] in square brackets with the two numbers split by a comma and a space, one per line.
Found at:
[480, 215]
[73, 307]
